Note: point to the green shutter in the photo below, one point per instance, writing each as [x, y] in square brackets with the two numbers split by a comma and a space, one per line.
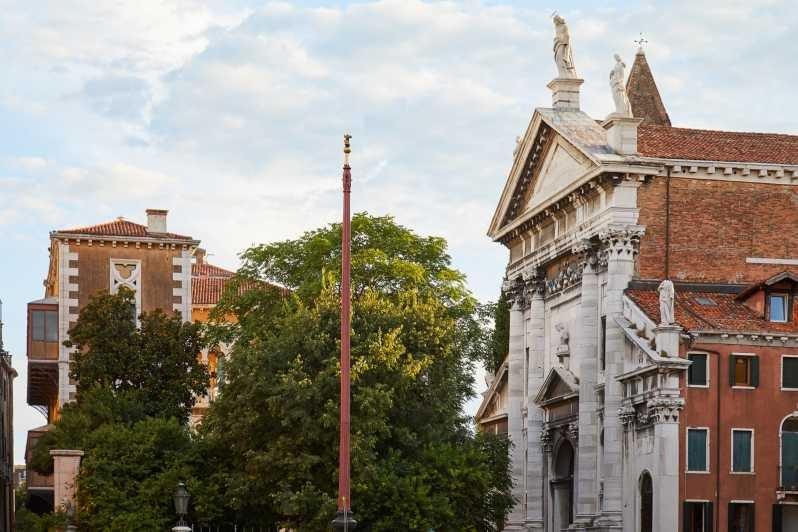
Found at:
[789, 459]
[777, 527]
[741, 451]
[709, 524]
[754, 371]
[790, 372]
[732, 360]
[696, 450]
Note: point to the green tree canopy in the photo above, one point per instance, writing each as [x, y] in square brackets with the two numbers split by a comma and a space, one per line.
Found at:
[272, 436]
[155, 362]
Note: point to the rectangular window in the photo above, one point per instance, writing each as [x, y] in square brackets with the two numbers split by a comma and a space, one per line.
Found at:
[741, 517]
[697, 372]
[742, 451]
[777, 303]
[44, 325]
[697, 451]
[744, 371]
[603, 343]
[789, 372]
[697, 516]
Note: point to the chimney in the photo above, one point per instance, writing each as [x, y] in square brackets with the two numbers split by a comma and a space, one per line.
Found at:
[199, 256]
[156, 220]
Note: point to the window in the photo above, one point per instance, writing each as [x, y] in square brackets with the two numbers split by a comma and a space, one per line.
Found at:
[741, 517]
[742, 451]
[603, 343]
[789, 372]
[744, 371]
[697, 450]
[777, 304]
[789, 454]
[44, 325]
[697, 372]
[697, 516]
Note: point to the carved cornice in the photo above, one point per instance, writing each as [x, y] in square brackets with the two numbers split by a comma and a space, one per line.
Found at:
[533, 161]
[627, 416]
[545, 439]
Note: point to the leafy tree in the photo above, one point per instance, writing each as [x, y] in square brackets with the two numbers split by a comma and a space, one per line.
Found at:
[156, 362]
[271, 439]
[500, 336]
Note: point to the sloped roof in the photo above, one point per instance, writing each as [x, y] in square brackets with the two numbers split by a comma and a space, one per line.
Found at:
[581, 130]
[644, 95]
[209, 270]
[709, 145]
[207, 283]
[709, 311]
[121, 228]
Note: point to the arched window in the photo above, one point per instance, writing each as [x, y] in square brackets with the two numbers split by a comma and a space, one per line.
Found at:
[646, 502]
[789, 453]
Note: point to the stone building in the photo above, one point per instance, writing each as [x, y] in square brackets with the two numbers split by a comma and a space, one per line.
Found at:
[652, 272]
[7, 375]
[165, 270]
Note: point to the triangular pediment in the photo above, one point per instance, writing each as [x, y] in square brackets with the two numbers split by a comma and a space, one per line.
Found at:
[561, 165]
[547, 163]
[560, 384]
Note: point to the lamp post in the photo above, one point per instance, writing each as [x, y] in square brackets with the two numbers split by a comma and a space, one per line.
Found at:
[343, 519]
[181, 498]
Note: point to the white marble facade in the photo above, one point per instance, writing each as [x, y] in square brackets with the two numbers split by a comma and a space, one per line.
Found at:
[585, 439]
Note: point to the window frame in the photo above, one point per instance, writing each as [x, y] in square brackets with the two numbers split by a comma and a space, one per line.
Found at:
[706, 370]
[753, 451]
[751, 385]
[45, 328]
[707, 454]
[786, 298]
[784, 388]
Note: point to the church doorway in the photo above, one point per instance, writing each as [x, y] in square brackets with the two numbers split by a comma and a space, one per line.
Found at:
[562, 487]
[646, 502]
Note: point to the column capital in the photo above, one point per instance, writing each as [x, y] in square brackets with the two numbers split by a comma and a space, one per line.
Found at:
[621, 242]
[523, 288]
[665, 409]
[587, 253]
[545, 439]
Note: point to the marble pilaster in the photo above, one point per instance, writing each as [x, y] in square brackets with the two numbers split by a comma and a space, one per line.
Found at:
[535, 341]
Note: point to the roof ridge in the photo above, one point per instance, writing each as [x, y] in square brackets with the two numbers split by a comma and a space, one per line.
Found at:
[727, 131]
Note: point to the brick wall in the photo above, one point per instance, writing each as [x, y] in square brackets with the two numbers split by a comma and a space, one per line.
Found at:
[715, 226]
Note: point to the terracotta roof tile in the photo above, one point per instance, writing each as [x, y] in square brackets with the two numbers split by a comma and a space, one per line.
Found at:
[209, 270]
[709, 311]
[707, 145]
[207, 290]
[122, 228]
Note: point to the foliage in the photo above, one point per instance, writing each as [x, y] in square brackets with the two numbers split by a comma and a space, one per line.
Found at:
[27, 521]
[500, 337]
[271, 445]
[155, 363]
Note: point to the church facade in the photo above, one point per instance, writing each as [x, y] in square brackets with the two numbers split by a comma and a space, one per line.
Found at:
[650, 382]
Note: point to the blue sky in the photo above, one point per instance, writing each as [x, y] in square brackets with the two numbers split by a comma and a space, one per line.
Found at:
[230, 114]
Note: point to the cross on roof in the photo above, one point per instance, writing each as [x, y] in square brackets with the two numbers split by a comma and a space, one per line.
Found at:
[641, 42]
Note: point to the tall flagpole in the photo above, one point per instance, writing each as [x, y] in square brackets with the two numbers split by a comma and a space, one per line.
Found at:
[343, 520]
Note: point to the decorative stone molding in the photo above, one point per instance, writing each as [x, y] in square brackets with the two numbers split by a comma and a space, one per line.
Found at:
[514, 291]
[572, 433]
[665, 409]
[627, 416]
[545, 439]
[622, 242]
[534, 282]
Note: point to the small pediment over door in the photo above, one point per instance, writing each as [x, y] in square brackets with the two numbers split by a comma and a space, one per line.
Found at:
[562, 165]
[560, 384]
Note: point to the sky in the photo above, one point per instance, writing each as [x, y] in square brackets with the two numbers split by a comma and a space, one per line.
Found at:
[230, 114]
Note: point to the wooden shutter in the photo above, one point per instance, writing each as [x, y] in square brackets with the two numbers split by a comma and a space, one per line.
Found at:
[751, 519]
[732, 372]
[730, 517]
[754, 371]
[687, 515]
[777, 527]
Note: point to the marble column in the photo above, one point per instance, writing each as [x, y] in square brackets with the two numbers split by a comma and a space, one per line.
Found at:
[585, 359]
[666, 448]
[516, 384]
[620, 244]
[535, 341]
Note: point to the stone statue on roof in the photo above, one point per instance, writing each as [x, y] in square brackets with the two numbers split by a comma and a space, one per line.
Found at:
[667, 297]
[563, 53]
[618, 86]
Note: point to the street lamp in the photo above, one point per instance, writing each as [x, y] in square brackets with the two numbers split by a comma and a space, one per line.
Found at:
[181, 498]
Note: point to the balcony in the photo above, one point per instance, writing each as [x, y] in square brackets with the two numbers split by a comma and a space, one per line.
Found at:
[43, 348]
[40, 487]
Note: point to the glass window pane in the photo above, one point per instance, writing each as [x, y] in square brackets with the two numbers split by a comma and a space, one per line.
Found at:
[51, 326]
[790, 372]
[37, 325]
[741, 371]
[741, 451]
[697, 372]
[789, 457]
[696, 450]
[778, 308]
